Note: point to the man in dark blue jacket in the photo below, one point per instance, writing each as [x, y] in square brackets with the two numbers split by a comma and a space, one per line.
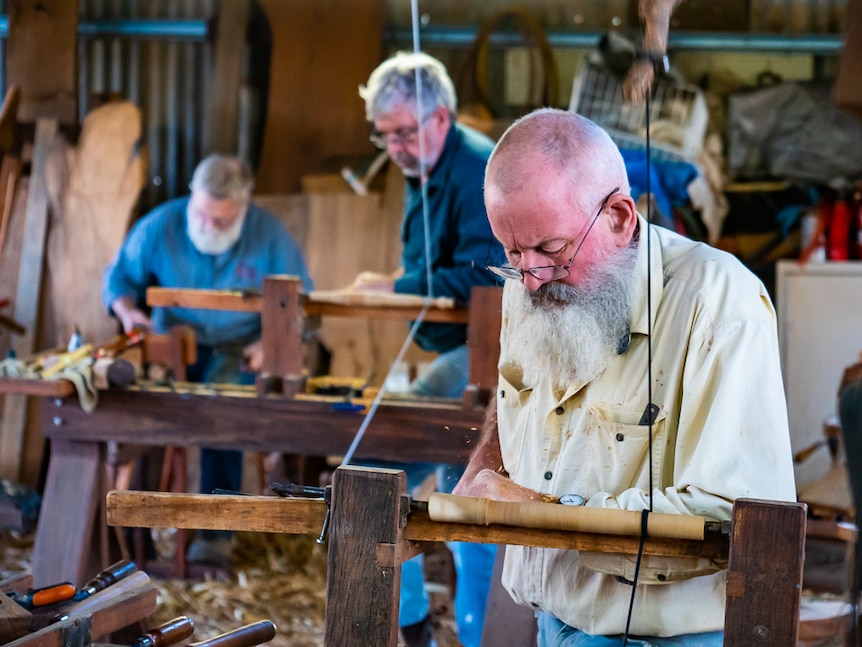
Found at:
[444, 165]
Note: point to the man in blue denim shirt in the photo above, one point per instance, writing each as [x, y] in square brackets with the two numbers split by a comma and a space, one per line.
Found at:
[416, 126]
[213, 239]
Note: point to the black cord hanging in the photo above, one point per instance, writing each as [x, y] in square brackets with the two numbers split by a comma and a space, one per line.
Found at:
[651, 409]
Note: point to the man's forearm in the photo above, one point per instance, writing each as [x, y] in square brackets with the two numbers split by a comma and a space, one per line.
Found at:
[485, 475]
[487, 454]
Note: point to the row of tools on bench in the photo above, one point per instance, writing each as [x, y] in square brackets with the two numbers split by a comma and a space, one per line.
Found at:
[33, 609]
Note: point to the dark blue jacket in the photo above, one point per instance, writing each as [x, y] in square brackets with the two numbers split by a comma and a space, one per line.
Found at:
[461, 240]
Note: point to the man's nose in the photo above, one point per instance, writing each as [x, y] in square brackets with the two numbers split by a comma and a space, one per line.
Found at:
[532, 283]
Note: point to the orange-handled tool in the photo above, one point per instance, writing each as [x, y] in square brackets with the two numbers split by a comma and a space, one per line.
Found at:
[44, 596]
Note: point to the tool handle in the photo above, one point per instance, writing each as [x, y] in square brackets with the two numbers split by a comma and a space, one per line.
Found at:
[66, 359]
[44, 596]
[169, 633]
[106, 578]
[247, 636]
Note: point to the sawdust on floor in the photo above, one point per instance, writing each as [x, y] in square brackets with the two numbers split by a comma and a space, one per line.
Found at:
[281, 578]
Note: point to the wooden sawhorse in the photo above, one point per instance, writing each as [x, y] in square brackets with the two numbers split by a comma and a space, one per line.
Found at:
[373, 531]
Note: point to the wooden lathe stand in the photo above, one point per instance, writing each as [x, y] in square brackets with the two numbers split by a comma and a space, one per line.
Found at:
[187, 415]
[373, 531]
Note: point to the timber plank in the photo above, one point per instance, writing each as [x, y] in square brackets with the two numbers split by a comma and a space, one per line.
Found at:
[28, 295]
[42, 58]
[395, 308]
[71, 491]
[43, 388]
[232, 300]
[93, 187]
[314, 426]
[215, 512]
[10, 171]
[314, 114]
[222, 118]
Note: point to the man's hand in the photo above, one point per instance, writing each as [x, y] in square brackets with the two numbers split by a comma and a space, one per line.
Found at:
[489, 484]
[485, 476]
[252, 356]
[130, 317]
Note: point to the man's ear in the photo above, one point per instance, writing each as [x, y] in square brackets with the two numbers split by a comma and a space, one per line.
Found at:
[624, 218]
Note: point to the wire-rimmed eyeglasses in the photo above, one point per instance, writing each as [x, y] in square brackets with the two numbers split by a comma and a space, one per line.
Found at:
[549, 272]
[402, 136]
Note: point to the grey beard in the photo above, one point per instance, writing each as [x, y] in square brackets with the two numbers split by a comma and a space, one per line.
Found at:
[570, 334]
[213, 241]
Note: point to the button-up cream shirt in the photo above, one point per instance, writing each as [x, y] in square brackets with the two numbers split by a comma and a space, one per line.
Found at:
[721, 433]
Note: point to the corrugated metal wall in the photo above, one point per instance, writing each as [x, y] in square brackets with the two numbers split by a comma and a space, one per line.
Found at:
[162, 67]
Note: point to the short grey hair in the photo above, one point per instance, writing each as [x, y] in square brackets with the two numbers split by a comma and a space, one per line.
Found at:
[393, 82]
[223, 177]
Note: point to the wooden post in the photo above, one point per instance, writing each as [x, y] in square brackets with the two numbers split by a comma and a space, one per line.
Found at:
[61, 550]
[764, 575]
[364, 569]
[222, 121]
[27, 296]
[282, 324]
[483, 339]
[42, 58]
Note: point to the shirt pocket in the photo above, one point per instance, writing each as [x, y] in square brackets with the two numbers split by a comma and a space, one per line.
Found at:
[514, 415]
[618, 449]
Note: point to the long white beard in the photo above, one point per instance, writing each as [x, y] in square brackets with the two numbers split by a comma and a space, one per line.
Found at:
[572, 333]
[213, 241]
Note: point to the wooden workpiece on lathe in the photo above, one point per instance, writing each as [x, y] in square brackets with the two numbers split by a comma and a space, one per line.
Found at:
[553, 516]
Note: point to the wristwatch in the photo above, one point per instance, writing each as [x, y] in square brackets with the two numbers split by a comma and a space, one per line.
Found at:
[572, 499]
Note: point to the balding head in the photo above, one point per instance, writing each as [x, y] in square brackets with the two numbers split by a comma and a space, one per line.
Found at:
[560, 141]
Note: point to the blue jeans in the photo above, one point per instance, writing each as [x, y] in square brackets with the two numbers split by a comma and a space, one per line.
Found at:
[446, 377]
[555, 633]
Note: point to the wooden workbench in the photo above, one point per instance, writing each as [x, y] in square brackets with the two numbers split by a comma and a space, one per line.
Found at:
[230, 417]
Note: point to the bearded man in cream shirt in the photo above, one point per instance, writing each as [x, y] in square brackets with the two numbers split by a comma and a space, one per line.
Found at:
[596, 301]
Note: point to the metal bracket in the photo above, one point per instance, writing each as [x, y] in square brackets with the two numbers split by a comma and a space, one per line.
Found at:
[77, 632]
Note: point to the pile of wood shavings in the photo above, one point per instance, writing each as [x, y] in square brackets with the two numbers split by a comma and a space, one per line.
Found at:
[273, 577]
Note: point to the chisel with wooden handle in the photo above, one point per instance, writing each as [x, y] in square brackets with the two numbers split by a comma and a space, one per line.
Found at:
[169, 633]
[247, 636]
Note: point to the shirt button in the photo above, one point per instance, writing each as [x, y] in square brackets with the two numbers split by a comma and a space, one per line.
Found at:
[502, 394]
[549, 476]
[559, 411]
[620, 437]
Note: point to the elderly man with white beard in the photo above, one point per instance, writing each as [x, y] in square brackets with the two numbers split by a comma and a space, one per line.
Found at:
[596, 302]
[216, 239]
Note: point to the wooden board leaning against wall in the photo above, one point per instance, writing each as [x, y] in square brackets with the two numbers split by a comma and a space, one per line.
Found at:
[342, 234]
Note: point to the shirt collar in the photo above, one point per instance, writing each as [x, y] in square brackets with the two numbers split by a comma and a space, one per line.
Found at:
[647, 266]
